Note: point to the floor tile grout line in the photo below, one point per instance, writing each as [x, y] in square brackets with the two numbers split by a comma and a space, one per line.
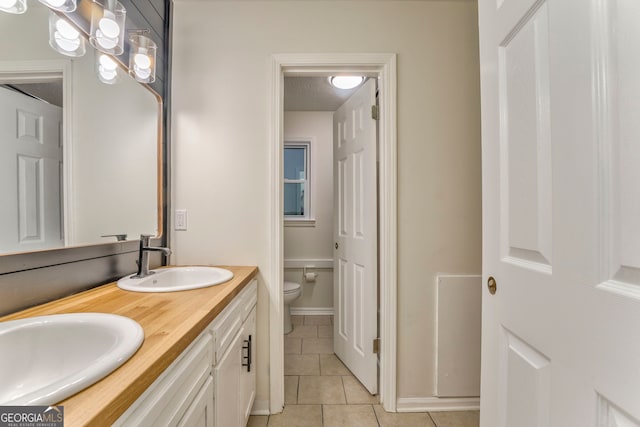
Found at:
[432, 420]
[375, 414]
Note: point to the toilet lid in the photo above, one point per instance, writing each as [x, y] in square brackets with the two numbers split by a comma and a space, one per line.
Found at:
[291, 287]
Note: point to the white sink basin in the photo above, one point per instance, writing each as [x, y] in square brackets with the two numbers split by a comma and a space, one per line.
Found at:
[176, 279]
[46, 359]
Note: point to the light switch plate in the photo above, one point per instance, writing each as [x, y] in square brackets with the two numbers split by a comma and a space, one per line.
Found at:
[180, 222]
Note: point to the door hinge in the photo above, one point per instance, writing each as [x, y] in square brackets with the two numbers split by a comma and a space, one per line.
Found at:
[375, 115]
[376, 345]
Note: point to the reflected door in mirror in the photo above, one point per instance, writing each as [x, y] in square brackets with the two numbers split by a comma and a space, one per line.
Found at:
[30, 173]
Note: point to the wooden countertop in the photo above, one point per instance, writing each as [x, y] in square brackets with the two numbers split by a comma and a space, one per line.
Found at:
[171, 321]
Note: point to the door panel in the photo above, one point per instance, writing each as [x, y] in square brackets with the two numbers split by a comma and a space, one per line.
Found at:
[355, 258]
[623, 171]
[527, 388]
[526, 159]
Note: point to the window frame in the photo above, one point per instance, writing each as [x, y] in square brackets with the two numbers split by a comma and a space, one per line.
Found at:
[306, 220]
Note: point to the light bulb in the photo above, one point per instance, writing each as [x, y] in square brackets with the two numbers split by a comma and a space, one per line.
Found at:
[66, 30]
[106, 42]
[107, 75]
[68, 45]
[7, 4]
[108, 25]
[107, 63]
[142, 73]
[55, 3]
[142, 60]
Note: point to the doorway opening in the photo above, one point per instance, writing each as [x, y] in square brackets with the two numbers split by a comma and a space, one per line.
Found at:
[330, 241]
[380, 67]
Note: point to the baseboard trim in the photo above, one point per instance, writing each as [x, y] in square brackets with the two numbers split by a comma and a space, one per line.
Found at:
[432, 404]
[312, 311]
[260, 407]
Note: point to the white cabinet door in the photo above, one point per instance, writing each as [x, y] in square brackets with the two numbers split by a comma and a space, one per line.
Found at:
[227, 385]
[248, 373]
[200, 413]
[561, 212]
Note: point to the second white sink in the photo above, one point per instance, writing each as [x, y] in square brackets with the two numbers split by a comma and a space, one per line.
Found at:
[176, 279]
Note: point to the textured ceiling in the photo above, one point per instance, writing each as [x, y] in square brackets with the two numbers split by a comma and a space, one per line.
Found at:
[50, 92]
[313, 94]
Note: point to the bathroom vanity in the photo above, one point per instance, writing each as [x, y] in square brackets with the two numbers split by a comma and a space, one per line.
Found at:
[196, 366]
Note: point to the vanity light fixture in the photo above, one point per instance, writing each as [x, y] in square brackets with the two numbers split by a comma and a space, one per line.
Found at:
[346, 82]
[142, 57]
[60, 5]
[107, 69]
[107, 26]
[64, 38]
[13, 6]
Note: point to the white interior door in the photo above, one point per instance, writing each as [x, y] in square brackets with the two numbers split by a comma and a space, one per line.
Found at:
[30, 173]
[355, 232]
[561, 212]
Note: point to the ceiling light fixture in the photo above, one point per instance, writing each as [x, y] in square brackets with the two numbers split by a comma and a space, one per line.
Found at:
[346, 82]
[13, 6]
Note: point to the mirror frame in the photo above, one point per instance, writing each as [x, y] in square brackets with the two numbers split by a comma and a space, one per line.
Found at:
[21, 261]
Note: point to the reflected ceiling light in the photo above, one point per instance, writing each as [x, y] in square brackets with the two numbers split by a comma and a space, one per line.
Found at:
[107, 69]
[107, 26]
[64, 38]
[13, 6]
[346, 82]
[60, 5]
[142, 57]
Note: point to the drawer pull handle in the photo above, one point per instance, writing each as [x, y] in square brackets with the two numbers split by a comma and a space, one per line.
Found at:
[247, 358]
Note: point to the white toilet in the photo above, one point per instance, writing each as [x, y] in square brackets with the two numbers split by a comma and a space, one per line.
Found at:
[292, 292]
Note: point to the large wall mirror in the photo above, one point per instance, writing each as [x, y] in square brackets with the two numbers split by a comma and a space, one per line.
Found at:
[79, 159]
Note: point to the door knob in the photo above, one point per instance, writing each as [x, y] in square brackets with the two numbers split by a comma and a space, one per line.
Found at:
[336, 245]
[492, 285]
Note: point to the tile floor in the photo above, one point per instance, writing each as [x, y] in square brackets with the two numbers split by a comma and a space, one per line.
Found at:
[321, 392]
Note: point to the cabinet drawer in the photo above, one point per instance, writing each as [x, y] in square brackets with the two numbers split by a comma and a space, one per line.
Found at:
[167, 399]
[248, 298]
[227, 324]
[224, 329]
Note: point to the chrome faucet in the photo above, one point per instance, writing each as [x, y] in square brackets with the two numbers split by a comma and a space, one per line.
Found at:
[143, 256]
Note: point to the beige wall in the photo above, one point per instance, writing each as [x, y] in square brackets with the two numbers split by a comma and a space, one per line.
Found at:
[313, 242]
[221, 53]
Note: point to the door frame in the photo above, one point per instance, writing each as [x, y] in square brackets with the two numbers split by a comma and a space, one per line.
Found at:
[382, 66]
